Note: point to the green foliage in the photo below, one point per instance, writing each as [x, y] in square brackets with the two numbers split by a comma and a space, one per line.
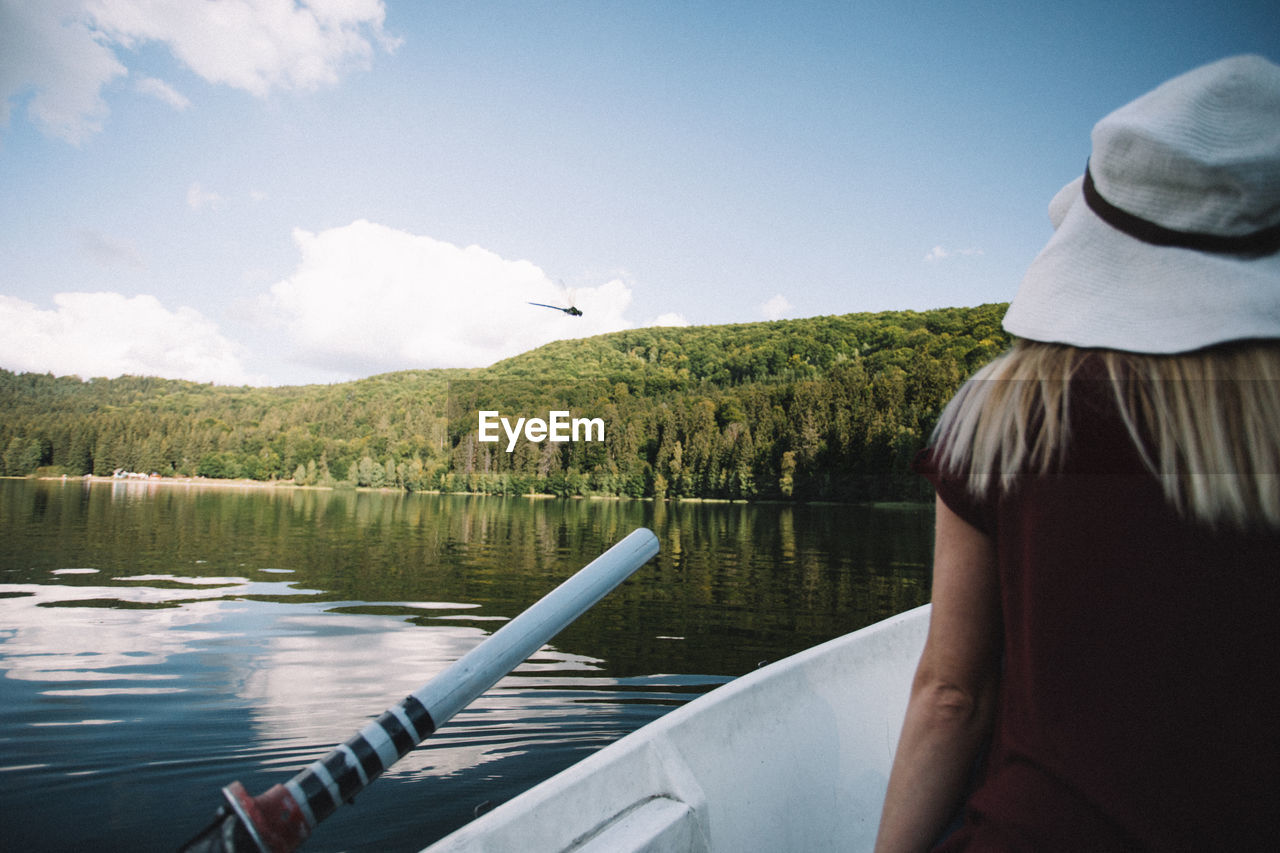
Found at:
[21, 456]
[827, 408]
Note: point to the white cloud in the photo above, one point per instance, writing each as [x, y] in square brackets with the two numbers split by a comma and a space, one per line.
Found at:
[162, 91]
[776, 308]
[64, 52]
[254, 45]
[107, 334]
[199, 198]
[669, 319]
[938, 253]
[47, 50]
[368, 298]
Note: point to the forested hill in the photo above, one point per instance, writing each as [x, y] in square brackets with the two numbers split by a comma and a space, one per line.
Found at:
[826, 408]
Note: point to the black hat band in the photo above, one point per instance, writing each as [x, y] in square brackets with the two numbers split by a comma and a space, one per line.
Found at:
[1264, 242]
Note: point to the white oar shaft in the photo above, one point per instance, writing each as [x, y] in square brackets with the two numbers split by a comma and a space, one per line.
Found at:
[483, 666]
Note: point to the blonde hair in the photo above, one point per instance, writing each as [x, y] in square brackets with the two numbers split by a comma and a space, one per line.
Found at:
[1205, 423]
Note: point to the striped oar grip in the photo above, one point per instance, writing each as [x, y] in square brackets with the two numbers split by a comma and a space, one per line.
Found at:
[340, 775]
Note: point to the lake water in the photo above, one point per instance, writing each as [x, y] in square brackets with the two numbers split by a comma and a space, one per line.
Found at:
[159, 641]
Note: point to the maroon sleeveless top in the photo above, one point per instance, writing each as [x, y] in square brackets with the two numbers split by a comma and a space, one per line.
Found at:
[1139, 706]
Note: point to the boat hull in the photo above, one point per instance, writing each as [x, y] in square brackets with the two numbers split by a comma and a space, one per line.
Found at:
[793, 756]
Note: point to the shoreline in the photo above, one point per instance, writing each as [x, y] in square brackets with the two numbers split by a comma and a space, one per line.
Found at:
[289, 485]
[246, 483]
[212, 482]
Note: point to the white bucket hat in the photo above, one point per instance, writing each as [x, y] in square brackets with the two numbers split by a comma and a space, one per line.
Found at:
[1171, 240]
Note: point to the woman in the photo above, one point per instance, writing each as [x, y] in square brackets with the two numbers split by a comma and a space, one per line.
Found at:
[1100, 670]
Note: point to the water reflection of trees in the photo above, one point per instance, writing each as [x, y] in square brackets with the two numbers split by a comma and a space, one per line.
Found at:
[736, 583]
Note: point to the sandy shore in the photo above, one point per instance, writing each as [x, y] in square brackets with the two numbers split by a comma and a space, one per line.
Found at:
[189, 481]
[209, 482]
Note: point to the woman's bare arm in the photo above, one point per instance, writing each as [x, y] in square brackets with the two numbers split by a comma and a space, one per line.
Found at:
[953, 694]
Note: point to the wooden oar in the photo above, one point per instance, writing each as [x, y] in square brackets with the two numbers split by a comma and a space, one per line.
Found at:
[280, 819]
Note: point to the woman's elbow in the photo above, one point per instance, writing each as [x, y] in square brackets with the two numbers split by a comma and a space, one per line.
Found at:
[945, 704]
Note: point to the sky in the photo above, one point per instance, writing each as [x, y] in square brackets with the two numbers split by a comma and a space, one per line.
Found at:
[280, 192]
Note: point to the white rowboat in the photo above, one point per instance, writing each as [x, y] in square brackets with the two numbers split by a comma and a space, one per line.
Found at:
[793, 756]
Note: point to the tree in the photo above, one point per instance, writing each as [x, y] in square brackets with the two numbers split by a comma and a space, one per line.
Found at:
[787, 474]
[21, 456]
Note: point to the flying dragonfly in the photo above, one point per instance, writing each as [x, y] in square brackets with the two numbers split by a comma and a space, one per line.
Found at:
[571, 310]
